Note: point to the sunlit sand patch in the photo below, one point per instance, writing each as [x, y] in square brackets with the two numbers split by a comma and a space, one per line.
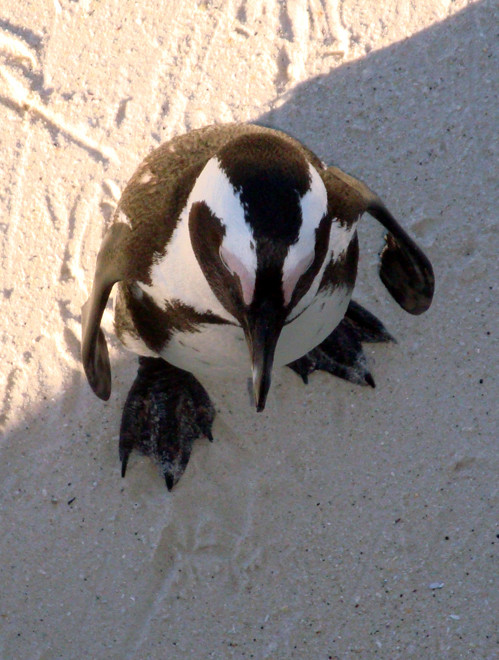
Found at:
[28, 101]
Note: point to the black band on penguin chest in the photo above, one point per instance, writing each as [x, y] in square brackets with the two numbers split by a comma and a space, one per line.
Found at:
[156, 325]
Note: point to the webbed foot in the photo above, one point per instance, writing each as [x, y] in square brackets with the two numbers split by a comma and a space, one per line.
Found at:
[341, 353]
[165, 411]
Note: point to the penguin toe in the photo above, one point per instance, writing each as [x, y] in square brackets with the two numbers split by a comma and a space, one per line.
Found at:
[365, 326]
[165, 411]
[341, 353]
[169, 480]
[305, 365]
[124, 461]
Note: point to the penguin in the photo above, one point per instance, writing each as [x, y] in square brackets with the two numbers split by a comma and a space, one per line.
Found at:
[234, 249]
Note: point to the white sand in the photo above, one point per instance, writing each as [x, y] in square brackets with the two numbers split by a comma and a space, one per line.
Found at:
[315, 529]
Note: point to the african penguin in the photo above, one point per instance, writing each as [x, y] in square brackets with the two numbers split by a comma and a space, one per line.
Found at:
[235, 249]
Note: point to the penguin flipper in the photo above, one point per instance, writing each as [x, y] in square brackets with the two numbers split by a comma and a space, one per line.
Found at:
[110, 269]
[341, 352]
[404, 268]
[165, 411]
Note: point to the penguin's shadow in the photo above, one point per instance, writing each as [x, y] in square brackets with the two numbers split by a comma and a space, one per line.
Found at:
[372, 116]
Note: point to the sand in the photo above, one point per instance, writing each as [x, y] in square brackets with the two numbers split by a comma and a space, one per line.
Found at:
[342, 522]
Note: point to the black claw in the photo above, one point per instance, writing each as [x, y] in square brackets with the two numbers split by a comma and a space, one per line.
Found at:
[209, 435]
[124, 463]
[304, 366]
[169, 481]
[369, 380]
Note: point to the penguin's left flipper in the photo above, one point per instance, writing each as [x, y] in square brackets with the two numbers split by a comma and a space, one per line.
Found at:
[404, 269]
[341, 352]
[165, 411]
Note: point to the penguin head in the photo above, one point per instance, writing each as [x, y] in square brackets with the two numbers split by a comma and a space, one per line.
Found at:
[258, 224]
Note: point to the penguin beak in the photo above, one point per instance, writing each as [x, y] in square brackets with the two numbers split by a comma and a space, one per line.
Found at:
[262, 331]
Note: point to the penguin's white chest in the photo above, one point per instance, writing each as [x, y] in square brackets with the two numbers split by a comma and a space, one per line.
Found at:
[218, 350]
[313, 325]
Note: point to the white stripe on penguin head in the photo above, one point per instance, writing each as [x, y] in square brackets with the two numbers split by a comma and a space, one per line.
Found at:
[237, 250]
[301, 254]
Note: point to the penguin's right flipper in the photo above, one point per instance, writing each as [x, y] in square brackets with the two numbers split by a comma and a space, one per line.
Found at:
[165, 411]
[109, 270]
[341, 353]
